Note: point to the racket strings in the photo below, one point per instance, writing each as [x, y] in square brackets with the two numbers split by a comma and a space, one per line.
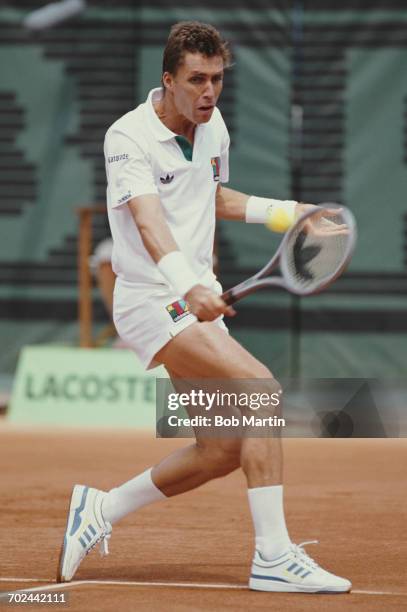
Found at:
[316, 250]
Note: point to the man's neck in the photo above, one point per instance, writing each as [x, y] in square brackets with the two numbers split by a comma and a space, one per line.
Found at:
[167, 113]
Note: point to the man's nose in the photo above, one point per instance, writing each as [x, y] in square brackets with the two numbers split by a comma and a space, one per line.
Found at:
[209, 91]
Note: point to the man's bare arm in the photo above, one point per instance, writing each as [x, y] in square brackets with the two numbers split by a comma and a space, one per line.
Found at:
[155, 233]
[148, 215]
[231, 205]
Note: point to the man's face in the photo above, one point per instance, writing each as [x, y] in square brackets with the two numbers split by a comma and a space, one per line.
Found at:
[196, 86]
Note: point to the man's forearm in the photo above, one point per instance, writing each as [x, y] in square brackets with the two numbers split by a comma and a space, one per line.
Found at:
[158, 240]
[231, 204]
[161, 245]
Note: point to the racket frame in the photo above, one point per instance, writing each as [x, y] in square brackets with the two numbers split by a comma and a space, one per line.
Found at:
[261, 280]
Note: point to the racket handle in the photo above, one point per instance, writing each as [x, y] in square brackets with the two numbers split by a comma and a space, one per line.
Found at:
[229, 297]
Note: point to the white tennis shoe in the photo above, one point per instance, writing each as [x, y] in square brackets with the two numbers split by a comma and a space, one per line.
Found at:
[294, 572]
[84, 529]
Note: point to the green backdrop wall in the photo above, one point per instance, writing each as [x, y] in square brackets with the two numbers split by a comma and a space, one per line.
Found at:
[339, 69]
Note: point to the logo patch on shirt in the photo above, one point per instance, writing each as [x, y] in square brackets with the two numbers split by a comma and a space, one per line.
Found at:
[167, 179]
[215, 163]
[178, 310]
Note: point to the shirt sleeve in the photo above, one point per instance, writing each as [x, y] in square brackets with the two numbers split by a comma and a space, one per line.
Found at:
[128, 170]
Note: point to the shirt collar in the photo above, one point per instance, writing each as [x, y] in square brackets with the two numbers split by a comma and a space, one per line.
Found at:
[160, 131]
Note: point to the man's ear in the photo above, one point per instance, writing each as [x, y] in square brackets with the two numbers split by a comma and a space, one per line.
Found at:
[168, 80]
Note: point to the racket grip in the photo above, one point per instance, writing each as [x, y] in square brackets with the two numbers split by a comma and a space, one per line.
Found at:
[229, 297]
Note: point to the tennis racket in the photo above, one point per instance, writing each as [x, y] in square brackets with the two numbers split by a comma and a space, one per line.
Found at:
[312, 254]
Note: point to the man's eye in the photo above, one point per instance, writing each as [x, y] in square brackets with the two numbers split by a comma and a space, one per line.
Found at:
[217, 78]
[196, 79]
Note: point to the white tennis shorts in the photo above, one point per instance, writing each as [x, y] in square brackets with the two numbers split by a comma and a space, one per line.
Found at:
[148, 316]
[102, 254]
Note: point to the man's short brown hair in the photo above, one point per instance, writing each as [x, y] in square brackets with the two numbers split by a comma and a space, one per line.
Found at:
[193, 37]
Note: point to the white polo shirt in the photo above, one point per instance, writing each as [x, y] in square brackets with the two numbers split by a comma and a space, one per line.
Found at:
[143, 157]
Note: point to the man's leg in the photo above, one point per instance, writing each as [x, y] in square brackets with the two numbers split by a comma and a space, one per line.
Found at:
[183, 470]
[201, 351]
[205, 351]
[209, 352]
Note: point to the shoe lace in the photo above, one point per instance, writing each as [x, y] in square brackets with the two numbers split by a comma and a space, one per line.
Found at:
[300, 553]
[104, 543]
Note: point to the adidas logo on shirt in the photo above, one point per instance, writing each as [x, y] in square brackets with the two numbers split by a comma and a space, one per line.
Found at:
[166, 179]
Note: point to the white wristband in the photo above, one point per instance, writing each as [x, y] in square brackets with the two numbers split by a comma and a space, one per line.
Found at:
[258, 210]
[177, 272]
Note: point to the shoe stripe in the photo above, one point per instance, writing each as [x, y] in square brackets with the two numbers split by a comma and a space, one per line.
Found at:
[306, 574]
[292, 567]
[77, 518]
[272, 578]
[299, 570]
[87, 536]
[92, 529]
[83, 542]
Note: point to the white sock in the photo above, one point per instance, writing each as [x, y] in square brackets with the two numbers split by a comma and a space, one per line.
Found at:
[130, 496]
[266, 506]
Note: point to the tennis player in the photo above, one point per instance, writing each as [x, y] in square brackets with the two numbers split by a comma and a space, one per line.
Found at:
[166, 164]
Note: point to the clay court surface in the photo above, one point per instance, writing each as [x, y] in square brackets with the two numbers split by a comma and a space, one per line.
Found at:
[193, 552]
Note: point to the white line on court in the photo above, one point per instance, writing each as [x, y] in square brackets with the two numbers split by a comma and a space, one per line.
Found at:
[186, 585]
[357, 592]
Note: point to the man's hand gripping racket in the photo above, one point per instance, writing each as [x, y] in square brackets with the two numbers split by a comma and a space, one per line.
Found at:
[312, 254]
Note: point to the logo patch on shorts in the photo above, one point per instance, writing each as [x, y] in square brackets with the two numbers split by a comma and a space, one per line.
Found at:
[178, 310]
[215, 163]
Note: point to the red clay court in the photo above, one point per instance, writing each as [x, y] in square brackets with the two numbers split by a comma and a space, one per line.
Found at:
[193, 552]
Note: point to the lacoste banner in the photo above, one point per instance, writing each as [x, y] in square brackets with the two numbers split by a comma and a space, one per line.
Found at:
[72, 386]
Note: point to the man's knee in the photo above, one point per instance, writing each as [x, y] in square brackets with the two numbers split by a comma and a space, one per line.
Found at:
[221, 457]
